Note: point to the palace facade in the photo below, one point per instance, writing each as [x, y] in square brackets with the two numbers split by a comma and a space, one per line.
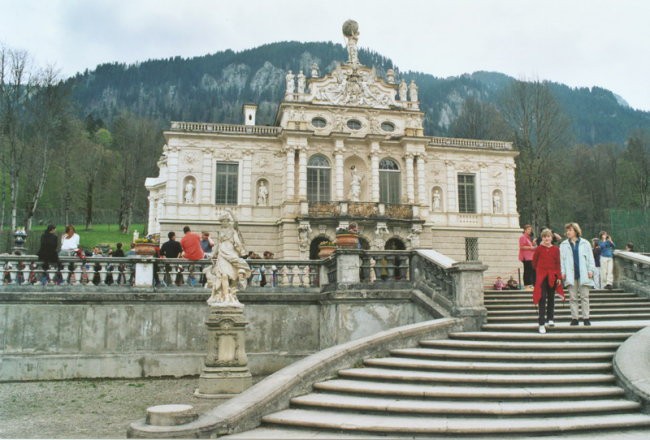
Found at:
[347, 146]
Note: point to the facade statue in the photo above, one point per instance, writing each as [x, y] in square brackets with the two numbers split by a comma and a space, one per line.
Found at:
[413, 91]
[189, 191]
[351, 33]
[355, 184]
[402, 90]
[437, 200]
[304, 232]
[315, 71]
[496, 202]
[390, 76]
[301, 82]
[262, 194]
[228, 267]
[291, 85]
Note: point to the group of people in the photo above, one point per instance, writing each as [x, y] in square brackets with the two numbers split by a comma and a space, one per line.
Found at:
[575, 264]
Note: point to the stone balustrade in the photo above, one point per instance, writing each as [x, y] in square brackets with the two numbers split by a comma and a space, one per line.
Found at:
[469, 143]
[632, 272]
[207, 127]
[368, 210]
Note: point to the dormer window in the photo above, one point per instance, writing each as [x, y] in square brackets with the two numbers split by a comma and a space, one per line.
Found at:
[319, 122]
[354, 124]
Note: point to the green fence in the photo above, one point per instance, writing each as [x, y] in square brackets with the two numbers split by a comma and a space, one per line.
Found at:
[630, 225]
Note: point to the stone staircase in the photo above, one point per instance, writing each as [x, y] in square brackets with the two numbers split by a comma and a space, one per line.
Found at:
[504, 380]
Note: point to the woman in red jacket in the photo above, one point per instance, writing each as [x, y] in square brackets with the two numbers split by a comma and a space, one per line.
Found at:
[546, 261]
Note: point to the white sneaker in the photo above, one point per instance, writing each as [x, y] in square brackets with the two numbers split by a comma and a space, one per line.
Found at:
[542, 329]
[551, 323]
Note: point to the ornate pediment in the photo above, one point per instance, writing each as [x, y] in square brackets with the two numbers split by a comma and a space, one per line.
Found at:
[350, 85]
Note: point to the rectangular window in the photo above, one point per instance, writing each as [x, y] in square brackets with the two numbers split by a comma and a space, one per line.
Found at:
[471, 249]
[389, 187]
[227, 179]
[318, 184]
[466, 193]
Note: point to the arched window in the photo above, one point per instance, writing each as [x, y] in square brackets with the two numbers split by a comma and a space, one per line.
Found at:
[389, 181]
[318, 179]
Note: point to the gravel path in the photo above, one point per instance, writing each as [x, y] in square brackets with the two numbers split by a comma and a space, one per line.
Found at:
[87, 408]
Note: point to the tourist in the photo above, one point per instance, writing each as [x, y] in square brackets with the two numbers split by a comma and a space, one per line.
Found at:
[119, 252]
[512, 284]
[131, 252]
[47, 252]
[526, 250]
[546, 262]
[207, 244]
[171, 248]
[629, 247]
[191, 244]
[596, 251]
[499, 284]
[69, 242]
[606, 259]
[577, 263]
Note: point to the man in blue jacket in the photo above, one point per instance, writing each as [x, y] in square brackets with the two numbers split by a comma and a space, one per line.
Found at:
[578, 266]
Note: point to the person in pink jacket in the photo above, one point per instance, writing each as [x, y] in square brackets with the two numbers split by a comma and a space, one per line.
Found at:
[526, 251]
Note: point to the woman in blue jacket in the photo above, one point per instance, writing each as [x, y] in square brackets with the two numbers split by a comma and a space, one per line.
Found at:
[578, 267]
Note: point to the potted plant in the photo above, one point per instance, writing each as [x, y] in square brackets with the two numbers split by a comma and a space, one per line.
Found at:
[145, 246]
[326, 248]
[348, 237]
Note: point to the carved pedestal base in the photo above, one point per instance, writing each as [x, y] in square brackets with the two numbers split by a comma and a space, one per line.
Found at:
[226, 366]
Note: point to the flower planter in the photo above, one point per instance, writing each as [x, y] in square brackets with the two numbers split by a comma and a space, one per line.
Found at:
[145, 249]
[348, 241]
[326, 251]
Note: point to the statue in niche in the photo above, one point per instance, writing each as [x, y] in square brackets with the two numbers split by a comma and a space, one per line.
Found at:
[291, 85]
[262, 194]
[437, 200]
[496, 202]
[413, 91]
[189, 191]
[315, 71]
[355, 184]
[228, 268]
[301, 82]
[402, 90]
[351, 33]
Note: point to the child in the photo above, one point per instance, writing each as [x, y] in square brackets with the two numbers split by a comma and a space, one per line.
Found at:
[512, 284]
[499, 284]
[546, 261]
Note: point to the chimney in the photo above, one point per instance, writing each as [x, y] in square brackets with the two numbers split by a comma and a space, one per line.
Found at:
[249, 114]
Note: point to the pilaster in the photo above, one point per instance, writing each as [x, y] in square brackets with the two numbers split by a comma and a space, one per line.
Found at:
[410, 178]
[374, 171]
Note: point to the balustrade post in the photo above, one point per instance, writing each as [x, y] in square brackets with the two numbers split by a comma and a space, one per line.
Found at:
[348, 264]
[468, 293]
[144, 272]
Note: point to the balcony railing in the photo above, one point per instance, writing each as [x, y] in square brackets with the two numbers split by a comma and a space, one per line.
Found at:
[206, 127]
[360, 209]
[470, 143]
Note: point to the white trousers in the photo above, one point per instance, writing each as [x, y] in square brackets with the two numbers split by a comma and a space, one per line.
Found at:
[579, 298]
[606, 271]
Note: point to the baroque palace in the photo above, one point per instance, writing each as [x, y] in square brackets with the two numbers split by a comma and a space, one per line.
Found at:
[347, 146]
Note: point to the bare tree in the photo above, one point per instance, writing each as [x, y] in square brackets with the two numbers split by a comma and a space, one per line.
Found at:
[540, 131]
[479, 120]
[637, 161]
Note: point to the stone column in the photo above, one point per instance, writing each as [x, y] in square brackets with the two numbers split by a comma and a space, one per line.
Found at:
[153, 210]
[291, 163]
[374, 171]
[410, 179]
[302, 173]
[339, 172]
[247, 177]
[226, 365]
[422, 192]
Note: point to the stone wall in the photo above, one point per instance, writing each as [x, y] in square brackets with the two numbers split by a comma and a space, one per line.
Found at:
[63, 335]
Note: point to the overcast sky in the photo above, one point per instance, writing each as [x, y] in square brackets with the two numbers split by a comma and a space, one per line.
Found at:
[577, 42]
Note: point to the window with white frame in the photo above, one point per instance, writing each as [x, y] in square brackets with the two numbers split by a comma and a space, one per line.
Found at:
[318, 179]
[466, 193]
[226, 183]
[389, 181]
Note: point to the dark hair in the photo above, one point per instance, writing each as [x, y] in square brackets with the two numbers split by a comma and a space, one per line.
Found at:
[50, 228]
[69, 228]
[186, 229]
[171, 234]
[119, 245]
[631, 246]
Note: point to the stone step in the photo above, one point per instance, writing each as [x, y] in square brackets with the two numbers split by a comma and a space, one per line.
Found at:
[606, 292]
[566, 311]
[393, 375]
[436, 365]
[512, 305]
[516, 345]
[566, 315]
[527, 295]
[413, 424]
[564, 327]
[462, 391]
[391, 405]
[522, 356]
[551, 336]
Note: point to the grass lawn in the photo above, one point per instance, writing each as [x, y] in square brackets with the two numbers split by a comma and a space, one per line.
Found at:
[99, 234]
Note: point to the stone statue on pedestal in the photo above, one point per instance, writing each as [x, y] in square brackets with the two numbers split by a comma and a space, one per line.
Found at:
[355, 184]
[262, 194]
[291, 85]
[315, 71]
[189, 191]
[301, 82]
[413, 91]
[402, 90]
[351, 34]
[228, 268]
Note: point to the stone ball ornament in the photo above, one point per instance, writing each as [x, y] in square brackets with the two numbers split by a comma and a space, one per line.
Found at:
[350, 28]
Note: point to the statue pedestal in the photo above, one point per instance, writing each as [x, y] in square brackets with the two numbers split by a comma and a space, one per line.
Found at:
[226, 366]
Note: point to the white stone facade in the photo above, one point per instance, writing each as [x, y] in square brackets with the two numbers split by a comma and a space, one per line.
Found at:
[415, 191]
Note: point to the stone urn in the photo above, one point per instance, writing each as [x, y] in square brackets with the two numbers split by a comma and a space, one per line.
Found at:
[347, 240]
[145, 249]
[326, 251]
